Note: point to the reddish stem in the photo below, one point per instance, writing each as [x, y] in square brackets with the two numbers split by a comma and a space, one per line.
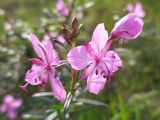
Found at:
[74, 78]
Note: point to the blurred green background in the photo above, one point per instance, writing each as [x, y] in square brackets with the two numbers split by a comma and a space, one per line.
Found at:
[133, 94]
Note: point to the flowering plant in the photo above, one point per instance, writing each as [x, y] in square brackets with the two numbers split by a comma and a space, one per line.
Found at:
[89, 65]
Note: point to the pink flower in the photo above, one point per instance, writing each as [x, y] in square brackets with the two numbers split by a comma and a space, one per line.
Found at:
[10, 106]
[44, 68]
[62, 8]
[94, 57]
[129, 27]
[137, 9]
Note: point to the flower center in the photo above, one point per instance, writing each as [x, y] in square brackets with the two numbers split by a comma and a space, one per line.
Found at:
[98, 59]
[103, 70]
[48, 67]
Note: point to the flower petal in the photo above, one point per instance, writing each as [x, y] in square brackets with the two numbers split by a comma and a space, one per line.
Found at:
[112, 61]
[35, 43]
[79, 58]
[17, 103]
[62, 8]
[88, 70]
[105, 48]
[34, 75]
[12, 113]
[37, 62]
[3, 107]
[45, 78]
[57, 87]
[129, 27]
[95, 83]
[52, 55]
[8, 99]
[138, 10]
[99, 38]
[129, 7]
[90, 50]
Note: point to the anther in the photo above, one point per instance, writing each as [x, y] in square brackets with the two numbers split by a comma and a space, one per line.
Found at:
[96, 72]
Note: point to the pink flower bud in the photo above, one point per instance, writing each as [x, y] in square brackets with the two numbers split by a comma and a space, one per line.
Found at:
[129, 27]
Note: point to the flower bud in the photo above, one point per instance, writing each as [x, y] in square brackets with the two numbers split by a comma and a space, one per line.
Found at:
[129, 27]
[67, 35]
[75, 27]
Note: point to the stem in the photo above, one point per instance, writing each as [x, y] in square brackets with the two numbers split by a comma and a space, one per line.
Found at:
[122, 43]
[74, 72]
[73, 44]
[74, 78]
[70, 12]
[69, 16]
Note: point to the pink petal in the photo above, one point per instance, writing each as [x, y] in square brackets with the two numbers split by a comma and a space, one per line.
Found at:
[62, 8]
[8, 99]
[61, 39]
[88, 70]
[138, 10]
[3, 107]
[17, 103]
[99, 38]
[59, 5]
[37, 62]
[53, 34]
[129, 27]
[57, 87]
[106, 47]
[49, 36]
[129, 8]
[45, 77]
[112, 61]
[95, 83]
[34, 75]
[90, 50]
[46, 37]
[79, 58]
[12, 113]
[35, 43]
[52, 55]
[44, 82]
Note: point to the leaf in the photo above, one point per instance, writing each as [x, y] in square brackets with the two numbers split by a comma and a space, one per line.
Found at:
[58, 107]
[33, 115]
[42, 94]
[59, 43]
[52, 116]
[89, 4]
[67, 102]
[92, 102]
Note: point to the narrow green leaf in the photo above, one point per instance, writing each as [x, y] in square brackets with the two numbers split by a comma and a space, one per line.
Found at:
[59, 43]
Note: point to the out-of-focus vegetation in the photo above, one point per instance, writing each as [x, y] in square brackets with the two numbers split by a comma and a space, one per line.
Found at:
[133, 94]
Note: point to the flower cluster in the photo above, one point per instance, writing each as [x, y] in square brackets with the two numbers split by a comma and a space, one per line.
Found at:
[10, 106]
[44, 68]
[95, 58]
